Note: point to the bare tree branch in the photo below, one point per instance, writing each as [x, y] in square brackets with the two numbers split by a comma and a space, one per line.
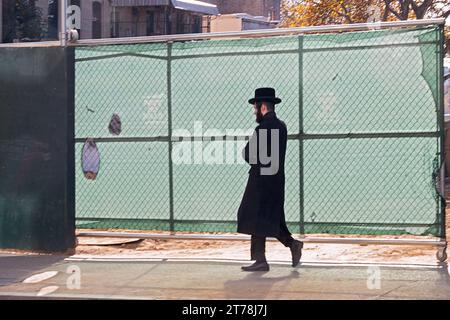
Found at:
[420, 10]
[446, 14]
[404, 5]
[385, 13]
[388, 7]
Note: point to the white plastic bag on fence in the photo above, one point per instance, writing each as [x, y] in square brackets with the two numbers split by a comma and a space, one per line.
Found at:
[90, 159]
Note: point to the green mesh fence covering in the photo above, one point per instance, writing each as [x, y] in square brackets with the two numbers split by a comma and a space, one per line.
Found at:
[363, 112]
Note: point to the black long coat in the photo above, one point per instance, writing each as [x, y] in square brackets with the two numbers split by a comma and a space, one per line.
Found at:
[261, 212]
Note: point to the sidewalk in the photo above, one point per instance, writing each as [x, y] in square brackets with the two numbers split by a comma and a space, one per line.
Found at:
[150, 277]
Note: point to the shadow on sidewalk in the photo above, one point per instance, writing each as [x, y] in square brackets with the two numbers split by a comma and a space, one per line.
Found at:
[261, 282]
[203, 279]
[260, 285]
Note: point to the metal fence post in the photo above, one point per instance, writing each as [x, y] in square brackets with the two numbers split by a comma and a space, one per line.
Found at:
[441, 120]
[300, 130]
[169, 115]
[63, 22]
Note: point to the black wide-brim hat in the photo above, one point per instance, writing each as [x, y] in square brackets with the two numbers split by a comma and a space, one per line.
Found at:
[265, 94]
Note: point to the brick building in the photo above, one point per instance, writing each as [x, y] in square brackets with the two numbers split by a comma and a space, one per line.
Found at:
[258, 8]
[239, 15]
[123, 18]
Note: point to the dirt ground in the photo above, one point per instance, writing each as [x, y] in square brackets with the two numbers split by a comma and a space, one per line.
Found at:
[211, 249]
[239, 250]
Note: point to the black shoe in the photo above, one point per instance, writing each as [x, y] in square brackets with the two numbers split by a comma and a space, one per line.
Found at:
[257, 266]
[296, 250]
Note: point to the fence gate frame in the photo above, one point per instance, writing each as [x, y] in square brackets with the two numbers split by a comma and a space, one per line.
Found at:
[440, 243]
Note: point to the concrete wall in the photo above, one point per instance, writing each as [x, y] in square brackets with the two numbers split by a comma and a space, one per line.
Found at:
[226, 23]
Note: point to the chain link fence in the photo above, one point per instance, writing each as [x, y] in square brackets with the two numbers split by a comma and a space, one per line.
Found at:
[162, 126]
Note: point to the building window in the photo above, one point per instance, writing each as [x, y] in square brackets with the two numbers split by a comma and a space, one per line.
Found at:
[180, 22]
[116, 23]
[97, 20]
[197, 25]
[135, 21]
[187, 25]
[150, 23]
[160, 23]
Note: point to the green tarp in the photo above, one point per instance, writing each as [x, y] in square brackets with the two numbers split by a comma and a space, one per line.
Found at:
[362, 110]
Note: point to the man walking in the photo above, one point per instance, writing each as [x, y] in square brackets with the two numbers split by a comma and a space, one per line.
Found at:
[261, 213]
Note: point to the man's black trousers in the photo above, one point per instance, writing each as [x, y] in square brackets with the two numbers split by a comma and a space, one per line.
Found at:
[258, 244]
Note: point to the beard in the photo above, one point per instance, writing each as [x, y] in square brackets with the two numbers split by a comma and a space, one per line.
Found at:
[259, 116]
